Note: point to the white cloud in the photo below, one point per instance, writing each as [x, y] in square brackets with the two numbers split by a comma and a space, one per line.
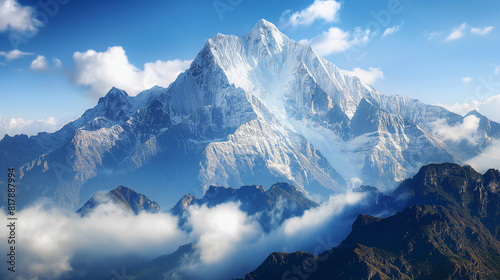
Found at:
[14, 126]
[220, 229]
[50, 238]
[318, 216]
[336, 40]
[489, 158]
[162, 73]
[227, 241]
[14, 54]
[482, 31]
[457, 33]
[326, 10]
[467, 130]
[367, 76]
[103, 70]
[467, 79]
[240, 243]
[391, 30]
[40, 64]
[488, 107]
[14, 16]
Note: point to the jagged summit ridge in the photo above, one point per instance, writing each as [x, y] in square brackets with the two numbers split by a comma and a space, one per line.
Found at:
[255, 109]
[269, 65]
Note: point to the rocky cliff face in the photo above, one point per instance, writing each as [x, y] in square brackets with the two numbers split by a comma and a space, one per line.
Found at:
[450, 233]
[459, 188]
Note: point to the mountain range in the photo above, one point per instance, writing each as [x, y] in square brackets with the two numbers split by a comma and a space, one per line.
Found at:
[446, 228]
[449, 231]
[256, 109]
[270, 208]
[280, 202]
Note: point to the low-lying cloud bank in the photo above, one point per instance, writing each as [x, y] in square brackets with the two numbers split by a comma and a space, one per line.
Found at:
[48, 238]
[467, 130]
[489, 158]
[53, 243]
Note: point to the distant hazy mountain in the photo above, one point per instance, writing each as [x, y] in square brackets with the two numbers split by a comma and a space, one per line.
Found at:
[452, 234]
[123, 197]
[256, 109]
[280, 202]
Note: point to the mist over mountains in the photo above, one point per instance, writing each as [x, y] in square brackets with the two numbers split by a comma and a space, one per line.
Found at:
[256, 109]
[261, 146]
[448, 231]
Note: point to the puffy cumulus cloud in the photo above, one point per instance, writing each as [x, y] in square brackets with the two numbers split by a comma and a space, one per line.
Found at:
[162, 73]
[488, 107]
[391, 30]
[103, 70]
[369, 76]
[467, 130]
[482, 31]
[49, 239]
[326, 10]
[457, 33]
[40, 64]
[14, 54]
[15, 17]
[14, 126]
[335, 40]
[489, 158]
[219, 229]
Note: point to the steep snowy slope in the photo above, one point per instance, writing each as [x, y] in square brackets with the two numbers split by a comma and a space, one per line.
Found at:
[255, 109]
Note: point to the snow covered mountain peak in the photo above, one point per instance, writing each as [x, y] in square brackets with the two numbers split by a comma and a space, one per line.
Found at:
[266, 35]
[286, 76]
[255, 109]
[264, 24]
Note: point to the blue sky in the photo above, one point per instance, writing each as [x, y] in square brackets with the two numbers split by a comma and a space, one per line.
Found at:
[58, 56]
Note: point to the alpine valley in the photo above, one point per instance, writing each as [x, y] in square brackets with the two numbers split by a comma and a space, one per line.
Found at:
[250, 110]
